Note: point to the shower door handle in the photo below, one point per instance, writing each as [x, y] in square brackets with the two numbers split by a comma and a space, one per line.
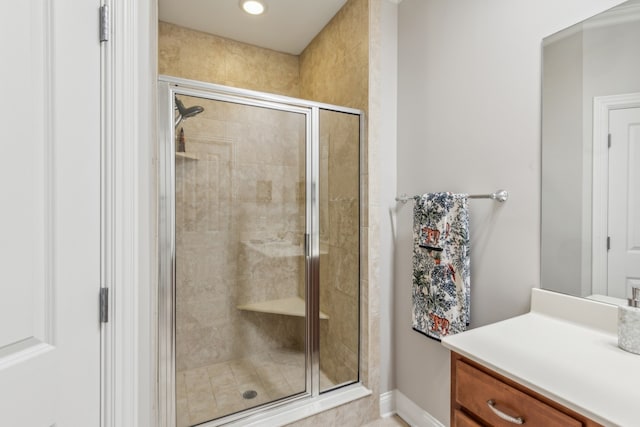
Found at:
[307, 249]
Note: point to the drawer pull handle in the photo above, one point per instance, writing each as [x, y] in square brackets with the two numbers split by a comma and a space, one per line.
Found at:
[515, 420]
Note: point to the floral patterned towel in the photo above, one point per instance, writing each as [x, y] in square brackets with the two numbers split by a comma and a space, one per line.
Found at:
[441, 285]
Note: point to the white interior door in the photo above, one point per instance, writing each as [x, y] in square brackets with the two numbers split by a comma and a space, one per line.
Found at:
[624, 202]
[50, 214]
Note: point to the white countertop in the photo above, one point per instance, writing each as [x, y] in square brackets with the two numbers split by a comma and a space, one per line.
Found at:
[566, 349]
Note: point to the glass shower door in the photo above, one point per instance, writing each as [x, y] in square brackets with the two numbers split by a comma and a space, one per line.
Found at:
[339, 233]
[259, 252]
[240, 266]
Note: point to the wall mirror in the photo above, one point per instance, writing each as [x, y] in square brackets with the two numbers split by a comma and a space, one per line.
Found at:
[590, 231]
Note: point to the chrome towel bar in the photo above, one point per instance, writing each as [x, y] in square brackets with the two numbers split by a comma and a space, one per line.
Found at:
[499, 195]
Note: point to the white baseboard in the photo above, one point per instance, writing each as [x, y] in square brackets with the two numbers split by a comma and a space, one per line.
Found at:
[394, 402]
[388, 404]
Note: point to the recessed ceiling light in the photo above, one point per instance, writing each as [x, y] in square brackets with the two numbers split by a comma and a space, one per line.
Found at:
[253, 7]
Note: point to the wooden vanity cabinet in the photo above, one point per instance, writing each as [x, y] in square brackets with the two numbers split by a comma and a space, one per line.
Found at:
[481, 397]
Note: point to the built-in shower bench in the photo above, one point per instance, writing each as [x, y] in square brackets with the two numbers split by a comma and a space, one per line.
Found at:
[292, 306]
[186, 156]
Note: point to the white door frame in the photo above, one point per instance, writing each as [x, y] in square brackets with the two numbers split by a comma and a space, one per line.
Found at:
[602, 105]
[128, 366]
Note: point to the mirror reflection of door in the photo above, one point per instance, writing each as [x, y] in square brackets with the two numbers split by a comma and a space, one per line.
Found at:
[623, 269]
[589, 69]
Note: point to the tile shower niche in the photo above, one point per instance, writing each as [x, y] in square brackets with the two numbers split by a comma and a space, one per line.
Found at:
[259, 287]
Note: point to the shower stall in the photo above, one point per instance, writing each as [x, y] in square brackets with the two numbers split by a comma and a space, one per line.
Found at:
[259, 253]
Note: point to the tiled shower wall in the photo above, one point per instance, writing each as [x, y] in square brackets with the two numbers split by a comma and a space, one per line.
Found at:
[334, 66]
[339, 233]
[242, 188]
[334, 69]
[200, 56]
[247, 163]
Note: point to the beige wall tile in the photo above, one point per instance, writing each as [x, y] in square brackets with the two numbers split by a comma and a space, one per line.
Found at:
[333, 69]
[200, 56]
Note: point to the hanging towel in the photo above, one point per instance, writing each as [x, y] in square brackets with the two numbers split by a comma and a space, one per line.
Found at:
[441, 285]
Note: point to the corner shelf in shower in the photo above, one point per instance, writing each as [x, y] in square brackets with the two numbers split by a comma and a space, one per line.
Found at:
[293, 306]
[185, 156]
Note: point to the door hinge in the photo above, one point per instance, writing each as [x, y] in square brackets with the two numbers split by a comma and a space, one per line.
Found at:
[104, 305]
[105, 23]
[609, 140]
[608, 242]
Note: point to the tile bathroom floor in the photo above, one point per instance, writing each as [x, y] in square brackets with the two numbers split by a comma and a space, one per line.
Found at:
[393, 421]
[213, 391]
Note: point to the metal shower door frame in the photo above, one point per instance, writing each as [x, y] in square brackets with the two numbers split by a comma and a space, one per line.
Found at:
[168, 87]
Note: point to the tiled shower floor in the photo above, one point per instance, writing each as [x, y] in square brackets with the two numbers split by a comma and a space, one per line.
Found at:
[213, 391]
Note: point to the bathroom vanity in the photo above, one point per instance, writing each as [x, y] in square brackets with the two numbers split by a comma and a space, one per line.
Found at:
[478, 393]
[558, 365]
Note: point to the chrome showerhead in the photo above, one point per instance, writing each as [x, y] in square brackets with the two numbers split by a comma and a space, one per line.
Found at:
[185, 113]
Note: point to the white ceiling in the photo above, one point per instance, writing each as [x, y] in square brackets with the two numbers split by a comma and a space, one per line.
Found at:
[287, 25]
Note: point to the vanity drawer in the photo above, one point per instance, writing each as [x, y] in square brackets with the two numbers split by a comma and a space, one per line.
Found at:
[460, 419]
[475, 388]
